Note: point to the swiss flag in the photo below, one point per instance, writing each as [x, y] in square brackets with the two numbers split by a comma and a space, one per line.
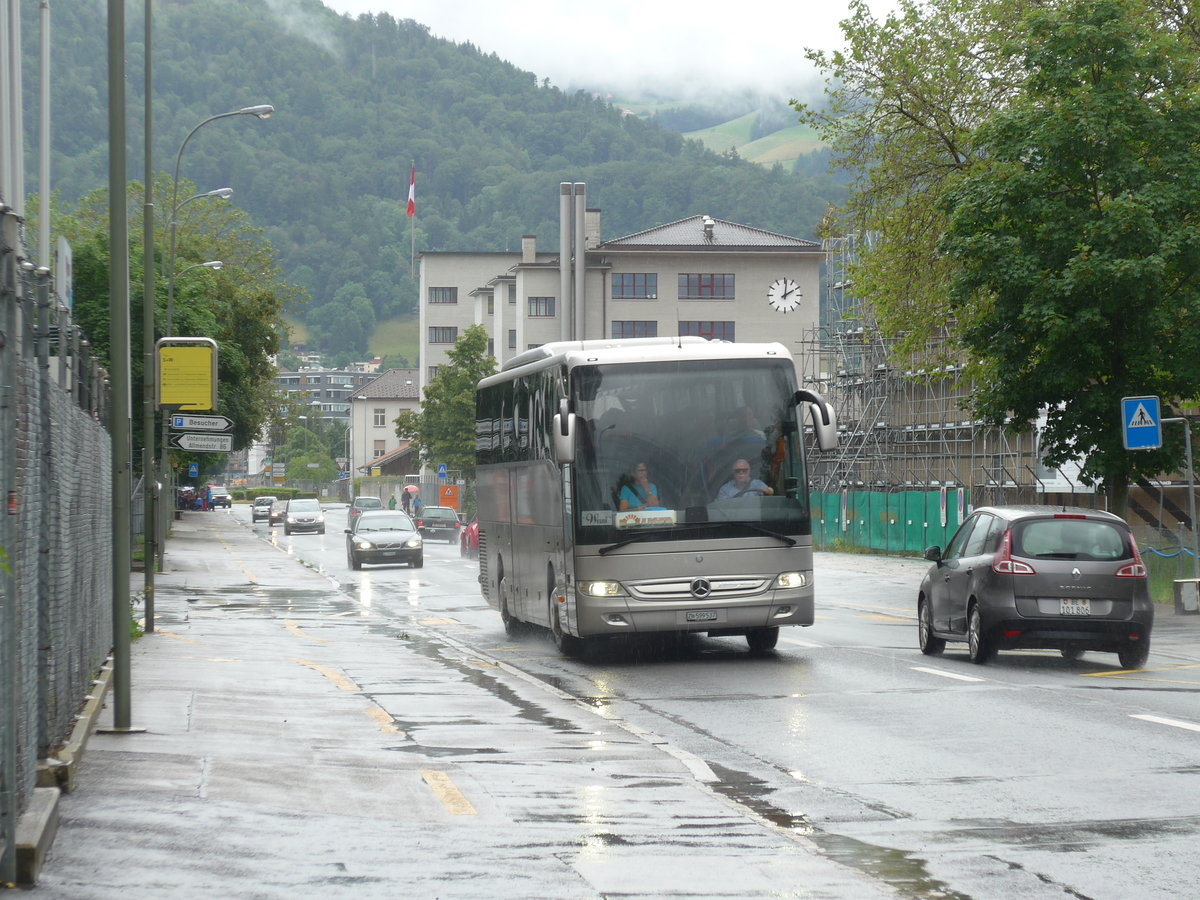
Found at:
[412, 191]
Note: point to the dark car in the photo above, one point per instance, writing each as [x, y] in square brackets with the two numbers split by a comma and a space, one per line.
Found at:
[303, 515]
[1038, 577]
[261, 508]
[359, 505]
[278, 511]
[384, 536]
[438, 521]
[220, 496]
[468, 539]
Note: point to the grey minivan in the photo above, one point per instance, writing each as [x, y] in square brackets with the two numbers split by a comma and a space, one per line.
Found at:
[1038, 577]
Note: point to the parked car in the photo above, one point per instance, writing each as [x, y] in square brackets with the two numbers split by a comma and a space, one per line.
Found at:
[1023, 577]
[438, 521]
[383, 536]
[304, 515]
[261, 508]
[468, 539]
[220, 496]
[278, 512]
[359, 505]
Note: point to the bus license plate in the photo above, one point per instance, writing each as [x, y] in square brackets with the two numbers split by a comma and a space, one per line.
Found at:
[1076, 606]
[701, 615]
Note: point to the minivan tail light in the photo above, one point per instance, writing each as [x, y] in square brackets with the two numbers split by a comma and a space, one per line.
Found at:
[1004, 564]
[1135, 569]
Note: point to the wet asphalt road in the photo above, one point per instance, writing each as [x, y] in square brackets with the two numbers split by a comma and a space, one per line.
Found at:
[1029, 777]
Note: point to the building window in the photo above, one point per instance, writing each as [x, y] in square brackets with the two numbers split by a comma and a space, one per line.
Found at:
[433, 370]
[379, 449]
[714, 331]
[541, 306]
[443, 295]
[442, 334]
[492, 347]
[380, 417]
[512, 294]
[634, 329]
[492, 305]
[512, 339]
[635, 286]
[705, 287]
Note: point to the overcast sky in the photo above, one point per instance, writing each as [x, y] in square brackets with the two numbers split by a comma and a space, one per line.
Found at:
[670, 45]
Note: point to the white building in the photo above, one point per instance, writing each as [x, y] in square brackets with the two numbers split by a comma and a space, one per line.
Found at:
[698, 276]
[374, 407]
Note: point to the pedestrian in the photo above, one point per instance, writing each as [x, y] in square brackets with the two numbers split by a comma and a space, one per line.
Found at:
[406, 501]
[417, 504]
[392, 502]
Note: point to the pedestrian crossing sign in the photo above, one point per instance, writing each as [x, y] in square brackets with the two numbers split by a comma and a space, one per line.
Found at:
[1141, 423]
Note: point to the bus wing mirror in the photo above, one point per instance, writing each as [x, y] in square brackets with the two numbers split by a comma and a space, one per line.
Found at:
[823, 418]
[564, 434]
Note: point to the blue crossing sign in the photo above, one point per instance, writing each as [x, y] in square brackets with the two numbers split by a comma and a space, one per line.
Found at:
[442, 471]
[1141, 423]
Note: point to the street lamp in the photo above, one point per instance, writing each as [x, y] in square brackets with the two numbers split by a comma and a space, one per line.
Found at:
[262, 111]
[220, 194]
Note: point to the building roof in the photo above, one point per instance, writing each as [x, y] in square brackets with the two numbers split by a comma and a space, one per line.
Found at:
[388, 460]
[394, 384]
[697, 232]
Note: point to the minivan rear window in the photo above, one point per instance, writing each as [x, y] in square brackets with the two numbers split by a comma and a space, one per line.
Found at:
[1070, 539]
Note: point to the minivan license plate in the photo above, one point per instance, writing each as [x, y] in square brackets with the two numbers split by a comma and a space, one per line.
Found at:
[701, 615]
[1076, 606]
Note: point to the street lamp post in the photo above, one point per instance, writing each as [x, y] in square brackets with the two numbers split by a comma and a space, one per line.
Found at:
[220, 194]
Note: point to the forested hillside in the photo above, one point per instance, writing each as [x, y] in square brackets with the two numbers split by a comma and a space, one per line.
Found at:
[357, 101]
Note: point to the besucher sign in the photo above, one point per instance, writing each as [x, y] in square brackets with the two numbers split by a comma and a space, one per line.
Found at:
[202, 423]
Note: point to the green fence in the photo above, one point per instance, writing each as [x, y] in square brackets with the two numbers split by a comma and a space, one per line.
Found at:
[888, 521]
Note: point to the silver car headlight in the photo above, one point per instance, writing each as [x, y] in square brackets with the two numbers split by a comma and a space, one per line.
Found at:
[413, 543]
[362, 544]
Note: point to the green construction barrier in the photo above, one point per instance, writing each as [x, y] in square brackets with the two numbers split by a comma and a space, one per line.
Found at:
[887, 521]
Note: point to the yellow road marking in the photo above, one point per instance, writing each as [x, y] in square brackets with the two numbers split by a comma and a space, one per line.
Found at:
[295, 629]
[336, 677]
[438, 621]
[482, 664]
[385, 722]
[452, 798]
[177, 637]
[1141, 674]
[882, 618]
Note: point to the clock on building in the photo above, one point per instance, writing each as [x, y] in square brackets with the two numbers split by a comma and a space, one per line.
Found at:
[784, 295]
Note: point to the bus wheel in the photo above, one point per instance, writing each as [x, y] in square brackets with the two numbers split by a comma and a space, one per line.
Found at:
[567, 644]
[510, 623]
[762, 639]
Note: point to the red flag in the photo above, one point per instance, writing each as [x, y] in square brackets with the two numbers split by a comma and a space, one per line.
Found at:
[412, 191]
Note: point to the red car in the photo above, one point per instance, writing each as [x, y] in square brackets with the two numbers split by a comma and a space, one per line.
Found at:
[468, 539]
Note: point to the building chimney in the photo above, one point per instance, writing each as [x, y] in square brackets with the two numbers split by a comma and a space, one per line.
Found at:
[591, 228]
[528, 249]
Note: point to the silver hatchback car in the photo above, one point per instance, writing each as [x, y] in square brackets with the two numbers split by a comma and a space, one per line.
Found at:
[1028, 577]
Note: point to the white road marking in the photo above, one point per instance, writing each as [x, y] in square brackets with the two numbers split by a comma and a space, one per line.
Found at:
[1159, 720]
[944, 674]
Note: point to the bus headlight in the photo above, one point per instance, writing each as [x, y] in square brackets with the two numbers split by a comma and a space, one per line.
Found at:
[791, 580]
[600, 588]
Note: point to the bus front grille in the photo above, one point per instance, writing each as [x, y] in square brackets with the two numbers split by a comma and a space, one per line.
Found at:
[693, 589]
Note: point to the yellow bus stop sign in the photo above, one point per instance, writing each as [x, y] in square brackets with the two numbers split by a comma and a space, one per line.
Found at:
[187, 373]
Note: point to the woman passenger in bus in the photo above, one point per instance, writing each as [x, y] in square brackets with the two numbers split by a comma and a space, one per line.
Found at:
[640, 494]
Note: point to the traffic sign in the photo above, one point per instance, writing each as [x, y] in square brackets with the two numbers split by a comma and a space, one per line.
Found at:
[1141, 423]
[202, 423]
[193, 470]
[203, 443]
[442, 471]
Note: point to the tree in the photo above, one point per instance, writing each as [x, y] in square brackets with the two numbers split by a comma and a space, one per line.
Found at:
[444, 428]
[904, 97]
[1076, 245]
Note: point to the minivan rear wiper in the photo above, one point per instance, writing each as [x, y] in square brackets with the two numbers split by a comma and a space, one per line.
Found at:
[698, 526]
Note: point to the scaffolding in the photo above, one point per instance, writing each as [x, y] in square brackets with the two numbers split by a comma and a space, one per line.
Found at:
[903, 424]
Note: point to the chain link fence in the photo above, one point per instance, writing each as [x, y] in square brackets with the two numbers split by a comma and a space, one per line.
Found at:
[56, 581]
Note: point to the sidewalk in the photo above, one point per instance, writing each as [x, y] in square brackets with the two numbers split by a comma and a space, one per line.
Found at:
[297, 744]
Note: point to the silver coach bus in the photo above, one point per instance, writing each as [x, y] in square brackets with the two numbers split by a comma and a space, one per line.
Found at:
[648, 485]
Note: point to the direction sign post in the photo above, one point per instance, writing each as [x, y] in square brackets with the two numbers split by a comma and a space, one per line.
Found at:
[203, 443]
[202, 423]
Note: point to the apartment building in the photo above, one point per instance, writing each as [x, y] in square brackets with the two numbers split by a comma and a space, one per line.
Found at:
[697, 276]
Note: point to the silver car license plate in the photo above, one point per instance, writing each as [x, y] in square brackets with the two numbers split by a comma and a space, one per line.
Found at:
[1075, 606]
[701, 615]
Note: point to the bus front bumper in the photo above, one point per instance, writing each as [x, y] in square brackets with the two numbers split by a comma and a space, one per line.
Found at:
[625, 615]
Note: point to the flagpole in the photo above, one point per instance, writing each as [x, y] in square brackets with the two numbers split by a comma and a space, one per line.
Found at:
[412, 211]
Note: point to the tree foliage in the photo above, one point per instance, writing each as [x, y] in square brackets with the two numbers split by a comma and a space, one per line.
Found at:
[904, 98]
[1076, 244]
[444, 428]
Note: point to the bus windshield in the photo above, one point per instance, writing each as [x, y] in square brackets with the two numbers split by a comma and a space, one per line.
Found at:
[682, 449]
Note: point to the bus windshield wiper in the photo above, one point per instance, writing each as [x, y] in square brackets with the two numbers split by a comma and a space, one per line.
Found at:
[697, 526]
